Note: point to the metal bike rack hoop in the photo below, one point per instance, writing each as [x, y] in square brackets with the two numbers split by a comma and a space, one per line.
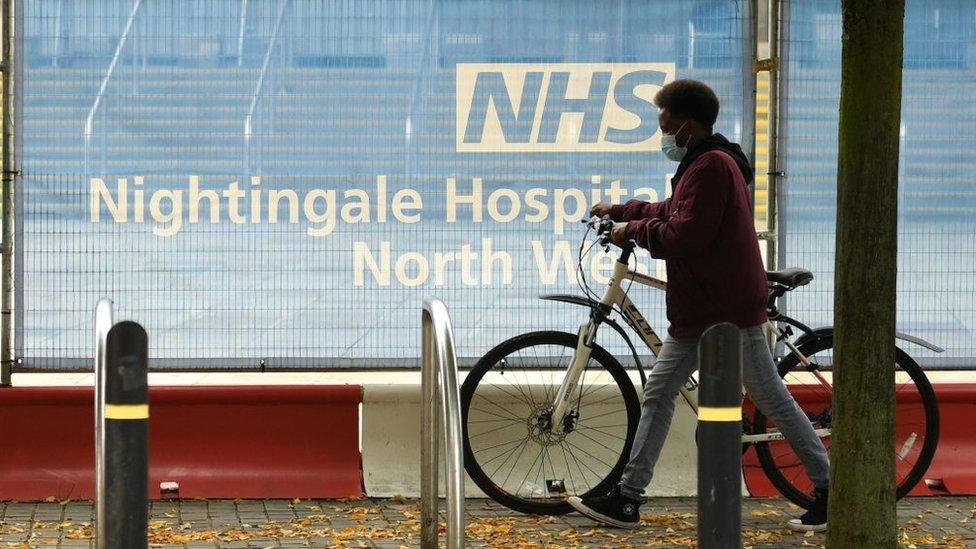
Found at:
[440, 391]
[103, 323]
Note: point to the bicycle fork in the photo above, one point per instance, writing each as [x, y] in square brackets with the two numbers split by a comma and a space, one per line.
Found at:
[584, 346]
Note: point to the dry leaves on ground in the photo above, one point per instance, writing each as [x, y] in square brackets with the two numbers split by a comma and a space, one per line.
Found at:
[402, 526]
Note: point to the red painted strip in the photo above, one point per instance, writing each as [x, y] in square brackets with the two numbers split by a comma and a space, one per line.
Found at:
[194, 394]
[215, 441]
[953, 462]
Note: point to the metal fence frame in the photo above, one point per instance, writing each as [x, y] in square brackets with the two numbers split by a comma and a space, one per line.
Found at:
[11, 319]
[746, 20]
[779, 38]
[11, 297]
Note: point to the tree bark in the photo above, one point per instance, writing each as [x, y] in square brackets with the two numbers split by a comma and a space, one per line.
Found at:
[862, 481]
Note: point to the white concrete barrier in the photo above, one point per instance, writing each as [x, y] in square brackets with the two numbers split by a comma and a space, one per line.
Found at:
[391, 445]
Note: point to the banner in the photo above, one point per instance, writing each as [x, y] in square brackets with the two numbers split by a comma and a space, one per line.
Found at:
[281, 187]
[936, 200]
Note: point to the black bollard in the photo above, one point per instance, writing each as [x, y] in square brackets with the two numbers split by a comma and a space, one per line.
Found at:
[126, 438]
[719, 433]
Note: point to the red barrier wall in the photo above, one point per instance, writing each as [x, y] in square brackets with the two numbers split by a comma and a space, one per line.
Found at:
[215, 441]
[953, 463]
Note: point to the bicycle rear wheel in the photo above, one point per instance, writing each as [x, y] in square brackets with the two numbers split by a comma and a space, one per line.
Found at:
[510, 449]
[916, 421]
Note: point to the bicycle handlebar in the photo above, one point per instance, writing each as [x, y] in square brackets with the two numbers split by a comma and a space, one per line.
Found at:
[604, 230]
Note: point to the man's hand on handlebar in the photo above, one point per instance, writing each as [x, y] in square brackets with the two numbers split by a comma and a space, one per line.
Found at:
[617, 231]
[619, 234]
[610, 232]
[600, 209]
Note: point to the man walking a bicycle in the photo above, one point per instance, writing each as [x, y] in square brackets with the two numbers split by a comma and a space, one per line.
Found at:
[705, 234]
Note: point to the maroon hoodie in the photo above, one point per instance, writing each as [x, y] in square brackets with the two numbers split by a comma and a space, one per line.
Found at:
[705, 234]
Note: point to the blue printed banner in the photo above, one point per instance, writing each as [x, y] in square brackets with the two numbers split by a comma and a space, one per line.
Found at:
[280, 187]
[936, 195]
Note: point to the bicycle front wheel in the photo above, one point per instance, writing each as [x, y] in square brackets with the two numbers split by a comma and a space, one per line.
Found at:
[511, 450]
[916, 421]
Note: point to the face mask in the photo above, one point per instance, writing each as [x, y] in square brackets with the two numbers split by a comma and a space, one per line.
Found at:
[670, 148]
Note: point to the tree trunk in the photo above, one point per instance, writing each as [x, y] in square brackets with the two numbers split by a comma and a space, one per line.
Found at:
[862, 480]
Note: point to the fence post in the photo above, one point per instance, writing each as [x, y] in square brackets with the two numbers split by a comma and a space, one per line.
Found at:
[719, 433]
[8, 324]
[126, 439]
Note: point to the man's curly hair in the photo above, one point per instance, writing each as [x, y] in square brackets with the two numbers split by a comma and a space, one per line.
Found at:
[691, 99]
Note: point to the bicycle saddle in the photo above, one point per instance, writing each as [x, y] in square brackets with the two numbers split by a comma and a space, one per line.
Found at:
[792, 277]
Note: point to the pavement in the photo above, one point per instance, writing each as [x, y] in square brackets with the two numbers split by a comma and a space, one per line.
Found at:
[946, 522]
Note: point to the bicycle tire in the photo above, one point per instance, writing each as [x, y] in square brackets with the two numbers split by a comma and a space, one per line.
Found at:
[494, 357]
[906, 363]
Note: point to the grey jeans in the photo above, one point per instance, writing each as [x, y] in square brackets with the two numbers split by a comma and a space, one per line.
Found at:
[677, 360]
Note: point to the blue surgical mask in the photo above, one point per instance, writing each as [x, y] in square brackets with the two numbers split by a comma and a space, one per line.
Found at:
[670, 148]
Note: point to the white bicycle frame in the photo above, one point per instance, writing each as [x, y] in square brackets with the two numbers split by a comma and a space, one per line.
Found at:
[615, 296]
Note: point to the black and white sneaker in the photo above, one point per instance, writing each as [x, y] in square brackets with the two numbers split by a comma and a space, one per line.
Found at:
[815, 519]
[612, 509]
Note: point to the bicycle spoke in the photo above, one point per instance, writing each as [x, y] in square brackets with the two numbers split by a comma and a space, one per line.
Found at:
[600, 382]
[489, 431]
[602, 431]
[552, 470]
[508, 417]
[521, 449]
[489, 421]
[595, 441]
[528, 470]
[578, 467]
[799, 471]
[514, 463]
[611, 397]
[518, 386]
[552, 387]
[528, 385]
[786, 452]
[542, 472]
[503, 452]
[569, 470]
[589, 454]
[603, 414]
[578, 463]
[513, 395]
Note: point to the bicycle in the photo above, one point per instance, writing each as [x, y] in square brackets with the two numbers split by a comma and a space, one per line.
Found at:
[573, 408]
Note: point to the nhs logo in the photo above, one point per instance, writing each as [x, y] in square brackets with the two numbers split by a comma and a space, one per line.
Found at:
[558, 107]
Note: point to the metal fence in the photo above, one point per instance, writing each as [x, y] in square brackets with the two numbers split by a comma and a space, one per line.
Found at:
[937, 198]
[271, 185]
[278, 184]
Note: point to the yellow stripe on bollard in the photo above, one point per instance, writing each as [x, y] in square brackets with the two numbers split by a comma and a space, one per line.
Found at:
[724, 413]
[126, 411]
